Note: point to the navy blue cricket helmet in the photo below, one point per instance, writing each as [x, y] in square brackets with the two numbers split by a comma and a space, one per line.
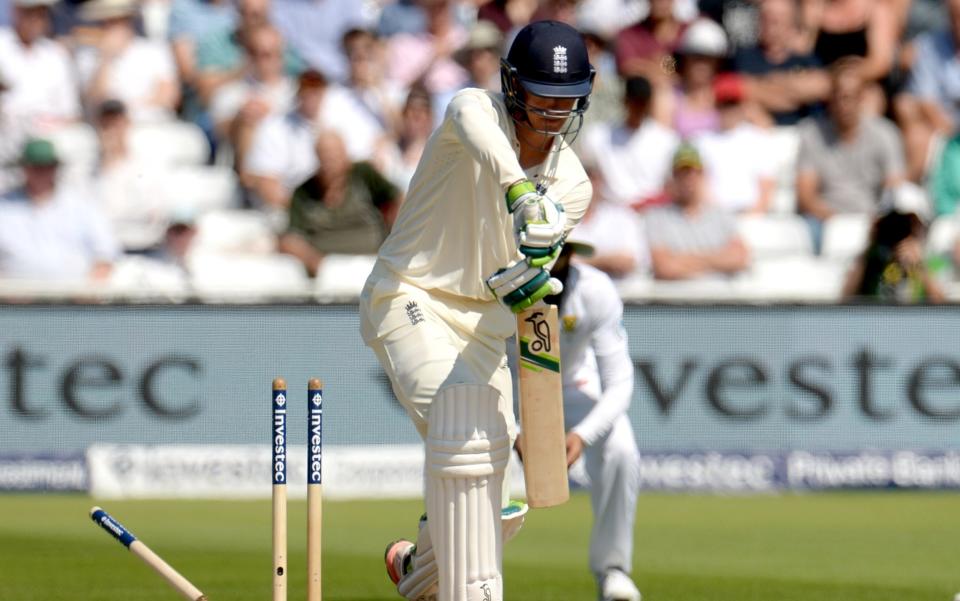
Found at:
[547, 59]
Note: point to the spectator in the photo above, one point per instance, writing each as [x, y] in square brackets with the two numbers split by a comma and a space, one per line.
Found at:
[315, 31]
[191, 21]
[400, 16]
[633, 157]
[398, 160]
[12, 138]
[238, 107]
[178, 240]
[129, 190]
[428, 56]
[945, 179]
[49, 231]
[956, 256]
[690, 238]
[606, 98]
[281, 154]
[701, 50]
[740, 19]
[607, 17]
[869, 29]
[221, 54]
[370, 89]
[121, 65]
[166, 271]
[615, 232]
[931, 105]
[41, 90]
[738, 158]
[846, 159]
[564, 11]
[646, 48]
[507, 15]
[344, 208]
[480, 56]
[783, 80]
[921, 16]
[893, 267]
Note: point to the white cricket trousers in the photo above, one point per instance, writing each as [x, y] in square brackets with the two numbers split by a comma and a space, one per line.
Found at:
[613, 467]
[425, 340]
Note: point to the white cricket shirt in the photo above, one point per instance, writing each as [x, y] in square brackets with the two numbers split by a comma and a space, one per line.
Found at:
[594, 357]
[454, 230]
[42, 85]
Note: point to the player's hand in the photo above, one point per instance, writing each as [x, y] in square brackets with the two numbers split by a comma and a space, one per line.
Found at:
[520, 285]
[538, 222]
[574, 447]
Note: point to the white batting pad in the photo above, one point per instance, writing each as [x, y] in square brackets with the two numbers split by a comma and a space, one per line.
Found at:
[467, 449]
[420, 583]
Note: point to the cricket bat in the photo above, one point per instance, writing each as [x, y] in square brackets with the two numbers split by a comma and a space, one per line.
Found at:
[541, 407]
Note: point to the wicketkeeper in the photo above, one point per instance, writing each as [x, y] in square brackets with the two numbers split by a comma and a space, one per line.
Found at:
[495, 193]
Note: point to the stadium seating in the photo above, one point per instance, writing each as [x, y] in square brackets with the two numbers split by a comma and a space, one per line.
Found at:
[342, 276]
[200, 189]
[845, 236]
[170, 143]
[942, 235]
[775, 235]
[785, 144]
[219, 277]
[234, 231]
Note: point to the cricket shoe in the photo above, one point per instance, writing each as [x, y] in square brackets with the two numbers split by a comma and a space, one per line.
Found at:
[617, 586]
[397, 557]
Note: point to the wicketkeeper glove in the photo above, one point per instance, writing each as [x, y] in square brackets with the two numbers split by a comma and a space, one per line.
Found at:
[520, 285]
[538, 222]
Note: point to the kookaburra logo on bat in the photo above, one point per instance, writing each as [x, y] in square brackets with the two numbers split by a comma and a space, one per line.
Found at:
[542, 329]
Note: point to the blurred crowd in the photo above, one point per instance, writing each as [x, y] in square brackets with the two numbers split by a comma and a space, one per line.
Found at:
[801, 149]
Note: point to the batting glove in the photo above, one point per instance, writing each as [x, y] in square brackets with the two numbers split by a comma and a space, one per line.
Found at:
[538, 222]
[520, 285]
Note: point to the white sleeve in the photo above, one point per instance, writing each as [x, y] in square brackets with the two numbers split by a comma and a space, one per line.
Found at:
[766, 153]
[101, 240]
[477, 125]
[163, 62]
[68, 99]
[267, 156]
[636, 241]
[227, 102]
[609, 340]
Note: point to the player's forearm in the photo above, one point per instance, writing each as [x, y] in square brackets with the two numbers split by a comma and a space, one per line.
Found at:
[208, 82]
[481, 135]
[731, 258]
[937, 116]
[97, 89]
[668, 265]
[810, 202]
[268, 188]
[616, 379]
[166, 94]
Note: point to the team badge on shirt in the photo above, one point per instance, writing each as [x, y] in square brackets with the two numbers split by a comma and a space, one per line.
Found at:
[414, 313]
[569, 323]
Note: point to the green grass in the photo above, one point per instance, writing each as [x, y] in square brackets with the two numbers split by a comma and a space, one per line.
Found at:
[818, 547]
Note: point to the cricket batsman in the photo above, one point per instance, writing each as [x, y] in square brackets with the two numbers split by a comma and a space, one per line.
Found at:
[497, 190]
[597, 388]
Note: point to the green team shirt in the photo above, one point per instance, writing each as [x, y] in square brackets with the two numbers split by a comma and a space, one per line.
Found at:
[221, 51]
[356, 224]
